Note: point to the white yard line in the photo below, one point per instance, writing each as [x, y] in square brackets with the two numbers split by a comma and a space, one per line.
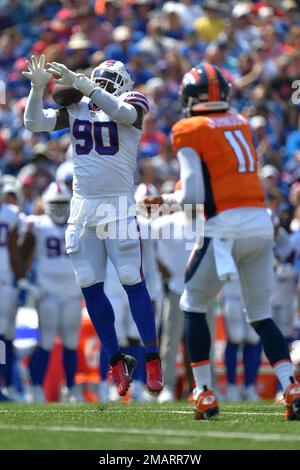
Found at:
[160, 433]
[186, 412]
[269, 410]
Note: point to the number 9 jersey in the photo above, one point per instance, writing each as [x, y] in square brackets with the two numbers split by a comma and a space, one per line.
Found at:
[224, 144]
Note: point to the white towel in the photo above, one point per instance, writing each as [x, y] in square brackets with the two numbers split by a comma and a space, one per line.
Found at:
[226, 267]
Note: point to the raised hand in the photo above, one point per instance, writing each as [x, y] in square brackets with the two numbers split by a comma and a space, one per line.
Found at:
[65, 76]
[37, 73]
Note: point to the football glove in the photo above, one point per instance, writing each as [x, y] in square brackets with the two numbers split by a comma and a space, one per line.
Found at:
[65, 76]
[37, 73]
[71, 79]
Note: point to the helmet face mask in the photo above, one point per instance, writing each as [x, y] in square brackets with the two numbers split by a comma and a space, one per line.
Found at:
[204, 89]
[56, 201]
[113, 77]
[58, 211]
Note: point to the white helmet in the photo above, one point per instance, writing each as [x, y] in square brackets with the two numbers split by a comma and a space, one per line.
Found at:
[10, 184]
[56, 199]
[65, 172]
[115, 72]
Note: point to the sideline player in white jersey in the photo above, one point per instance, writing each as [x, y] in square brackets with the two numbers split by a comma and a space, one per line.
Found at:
[105, 127]
[173, 254]
[284, 293]
[128, 335]
[59, 297]
[240, 334]
[10, 271]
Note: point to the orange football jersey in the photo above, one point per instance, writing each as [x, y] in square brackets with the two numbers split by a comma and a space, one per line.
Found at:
[225, 146]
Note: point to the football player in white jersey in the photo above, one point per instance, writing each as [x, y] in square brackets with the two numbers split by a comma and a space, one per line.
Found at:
[174, 267]
[59, 297]
[239, 334]
[105, 126]
[284, 293]
[10, 271]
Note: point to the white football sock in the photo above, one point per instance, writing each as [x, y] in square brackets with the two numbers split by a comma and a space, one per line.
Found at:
[202, 374]
[284, 372]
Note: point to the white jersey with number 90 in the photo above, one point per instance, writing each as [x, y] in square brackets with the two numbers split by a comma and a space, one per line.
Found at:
[104, 152]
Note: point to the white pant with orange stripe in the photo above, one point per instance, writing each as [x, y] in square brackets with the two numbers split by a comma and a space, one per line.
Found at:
[89, 248]
[254, 260]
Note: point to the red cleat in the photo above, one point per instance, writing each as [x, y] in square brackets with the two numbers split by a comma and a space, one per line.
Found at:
[205, 405]
[122, 373]
[155, 379]
[292, 401]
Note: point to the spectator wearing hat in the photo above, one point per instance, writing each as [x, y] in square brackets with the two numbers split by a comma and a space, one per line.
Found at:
[140, 70]
[163, 103]
[236, 46]
[187, 10]
[211, 24]
[154, 45]
[11, 191]
[192, 48]
[270, 178]
[121, 47]
[80, 49]
[244, 27]
[172, 24]
[141, 10]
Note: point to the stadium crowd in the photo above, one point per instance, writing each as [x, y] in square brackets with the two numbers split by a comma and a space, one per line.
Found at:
[256, 45]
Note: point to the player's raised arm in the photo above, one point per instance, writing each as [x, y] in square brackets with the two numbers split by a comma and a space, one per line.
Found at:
[120, 111]
[37, 119]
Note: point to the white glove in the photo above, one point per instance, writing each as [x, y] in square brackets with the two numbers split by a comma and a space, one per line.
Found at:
[66, 76]
[34, 291]
[37, 73]
[71, 79]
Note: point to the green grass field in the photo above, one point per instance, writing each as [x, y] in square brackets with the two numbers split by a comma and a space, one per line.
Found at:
[146, 427]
